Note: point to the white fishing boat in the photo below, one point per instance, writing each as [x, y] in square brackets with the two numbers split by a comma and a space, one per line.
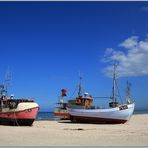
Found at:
[115, 113]
[61, 112]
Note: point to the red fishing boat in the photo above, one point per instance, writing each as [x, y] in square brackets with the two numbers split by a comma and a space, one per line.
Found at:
[60, 109]
[16, 111]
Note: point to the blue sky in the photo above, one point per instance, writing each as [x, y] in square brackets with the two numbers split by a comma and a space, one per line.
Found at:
[47, 44]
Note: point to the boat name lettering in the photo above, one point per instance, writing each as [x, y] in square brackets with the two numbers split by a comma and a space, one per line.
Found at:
[123, 107]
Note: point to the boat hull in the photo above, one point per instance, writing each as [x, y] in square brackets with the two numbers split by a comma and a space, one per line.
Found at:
[61, 113]
[113, 115]
[23, 115]
[96, 120]
[16, 122]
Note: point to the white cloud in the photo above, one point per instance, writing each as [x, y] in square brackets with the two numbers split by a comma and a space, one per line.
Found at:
[132, 59]
[130, 42]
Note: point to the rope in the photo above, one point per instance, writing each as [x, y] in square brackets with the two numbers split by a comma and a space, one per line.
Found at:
[16, 119]
[73, 92]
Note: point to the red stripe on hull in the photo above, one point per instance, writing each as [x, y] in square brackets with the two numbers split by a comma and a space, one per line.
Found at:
[61, 114]
[96, 120]
[25, 114]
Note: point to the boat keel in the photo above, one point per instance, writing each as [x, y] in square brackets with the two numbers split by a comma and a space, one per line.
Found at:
[96, 120]
[16, 122]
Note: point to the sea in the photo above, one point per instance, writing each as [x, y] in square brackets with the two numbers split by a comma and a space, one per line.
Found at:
[50, 115]
[45, 116]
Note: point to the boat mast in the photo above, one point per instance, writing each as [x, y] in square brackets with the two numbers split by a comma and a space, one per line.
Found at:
[128, 92]
[114, 83]
[61, 100]
[2, 91]
[63, 94]
[7, 81]
[80, 88]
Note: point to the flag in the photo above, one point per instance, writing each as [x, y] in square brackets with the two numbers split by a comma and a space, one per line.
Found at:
[64, 91]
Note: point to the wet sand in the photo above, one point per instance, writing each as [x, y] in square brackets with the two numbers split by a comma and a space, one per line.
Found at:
[65, 133]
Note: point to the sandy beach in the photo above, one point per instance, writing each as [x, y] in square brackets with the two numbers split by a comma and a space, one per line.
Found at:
[65, 133]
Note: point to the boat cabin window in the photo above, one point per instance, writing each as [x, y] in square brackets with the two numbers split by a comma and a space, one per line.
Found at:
[84, 101]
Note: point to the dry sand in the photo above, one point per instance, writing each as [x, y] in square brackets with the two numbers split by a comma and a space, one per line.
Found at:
[62, 133]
